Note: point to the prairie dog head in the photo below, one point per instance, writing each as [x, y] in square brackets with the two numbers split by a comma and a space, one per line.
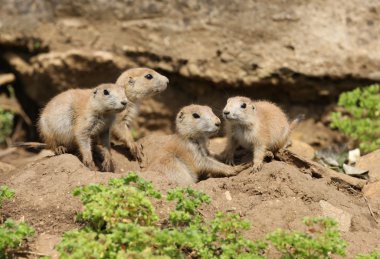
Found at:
[196, 121]
[109, 98]
[239, 110]
[141, 83]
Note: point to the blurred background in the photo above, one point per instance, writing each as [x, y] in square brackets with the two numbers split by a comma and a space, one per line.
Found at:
[300, 54]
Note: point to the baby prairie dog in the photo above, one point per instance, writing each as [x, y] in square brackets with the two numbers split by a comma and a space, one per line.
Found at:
[185, 157]
[77, 118]
[259, 126]
[139, 83]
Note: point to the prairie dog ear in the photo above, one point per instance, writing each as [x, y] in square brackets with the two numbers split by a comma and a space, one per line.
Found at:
[253, 107]
[131, 81]
[180, 116]
[95, 91]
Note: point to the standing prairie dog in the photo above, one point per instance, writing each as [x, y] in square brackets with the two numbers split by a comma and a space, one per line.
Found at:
[139, 83]
[76, 118]
[184, 158]
[259, 126]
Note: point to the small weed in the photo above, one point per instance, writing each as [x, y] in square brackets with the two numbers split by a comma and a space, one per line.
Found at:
[6, 124]
[12, 234]
[373, 255]
[320, 240]
[5, 193]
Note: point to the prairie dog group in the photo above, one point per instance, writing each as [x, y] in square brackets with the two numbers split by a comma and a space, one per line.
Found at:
[75, 119]
[185, 157]
[139, 83]
[259, 126]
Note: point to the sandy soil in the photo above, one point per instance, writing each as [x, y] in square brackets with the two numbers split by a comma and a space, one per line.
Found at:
[279, 196]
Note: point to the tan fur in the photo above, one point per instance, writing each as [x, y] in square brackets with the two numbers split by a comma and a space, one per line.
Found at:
[76, 118]
[138, 88]
[261, 126]
[185, 157]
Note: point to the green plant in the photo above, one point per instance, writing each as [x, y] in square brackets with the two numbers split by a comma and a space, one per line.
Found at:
[5, 193]
[361, 119]
[373, 255]
[106, 206]
[6, 124]
[320, 240]
[121, 222]
[12, 234]
[187, 203]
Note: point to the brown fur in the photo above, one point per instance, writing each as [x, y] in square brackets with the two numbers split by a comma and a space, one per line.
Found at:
[75, 119]
[138, 88]
[259, 126]
[185, 157]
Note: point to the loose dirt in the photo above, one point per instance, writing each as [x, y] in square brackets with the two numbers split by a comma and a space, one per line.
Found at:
[279, 196]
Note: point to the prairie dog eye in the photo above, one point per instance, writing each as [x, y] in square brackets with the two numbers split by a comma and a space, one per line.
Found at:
[196, 115]
[244, 105]
[148, 76]
[105, 92]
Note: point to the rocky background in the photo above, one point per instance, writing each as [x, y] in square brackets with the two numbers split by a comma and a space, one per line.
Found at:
[293, 52]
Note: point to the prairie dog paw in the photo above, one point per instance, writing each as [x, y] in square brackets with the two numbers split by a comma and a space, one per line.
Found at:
[90, 164]
[60, 150]
[137, 151]
[256, 167]
[107, 165]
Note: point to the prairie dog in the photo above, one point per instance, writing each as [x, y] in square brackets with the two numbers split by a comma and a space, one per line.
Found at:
[259, 126]
[76, 118]
[184, 158]
[139, 83]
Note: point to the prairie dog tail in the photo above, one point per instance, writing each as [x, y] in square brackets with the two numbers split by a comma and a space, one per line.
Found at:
[296, 121]
[34, 145]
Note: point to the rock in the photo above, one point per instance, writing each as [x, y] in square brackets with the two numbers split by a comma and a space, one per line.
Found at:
[46, 74]
[370, 162]
[353, 155]
[343, 217]
[354, 171]
[220, 39]
[45, 244]
[372, 190]
[73, 23]
[4, 167]
[228, 196]
[302, 149]
[7, 78]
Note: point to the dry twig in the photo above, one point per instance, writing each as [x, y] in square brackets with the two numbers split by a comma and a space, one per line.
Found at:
[370, 209]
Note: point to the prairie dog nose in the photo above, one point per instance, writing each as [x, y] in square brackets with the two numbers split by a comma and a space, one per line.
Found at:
[166, 80]
[226, 112]
[124, 103]
[217, 124]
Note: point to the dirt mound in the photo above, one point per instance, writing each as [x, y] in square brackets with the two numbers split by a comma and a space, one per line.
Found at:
[279, 196]
[44, 192]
